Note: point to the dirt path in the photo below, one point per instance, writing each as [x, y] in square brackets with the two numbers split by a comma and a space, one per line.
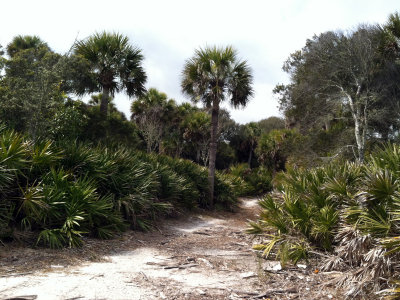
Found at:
[203, 256]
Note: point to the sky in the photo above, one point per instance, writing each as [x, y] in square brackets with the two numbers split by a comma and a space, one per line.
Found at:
[264, 33]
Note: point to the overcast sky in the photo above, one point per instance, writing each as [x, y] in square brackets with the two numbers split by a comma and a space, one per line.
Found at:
[263, 32]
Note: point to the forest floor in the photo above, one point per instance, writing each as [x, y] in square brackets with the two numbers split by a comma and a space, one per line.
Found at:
[202, 255]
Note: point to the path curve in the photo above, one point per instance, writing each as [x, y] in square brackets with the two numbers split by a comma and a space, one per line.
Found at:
[203, 256]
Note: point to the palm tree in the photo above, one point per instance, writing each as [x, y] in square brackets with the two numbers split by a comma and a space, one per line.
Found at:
[253, 133]
[211, 76]
[24, 42]
[114, 65]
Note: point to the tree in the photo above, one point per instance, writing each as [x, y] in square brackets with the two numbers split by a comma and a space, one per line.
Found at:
[211, 76]
[335, 72]
[253, 132]
[271, 123]
[30, 91]
[114, 64]
[25, 42]
[197, 133]
[153, 112]
[385, 115]
[175, 143]
[2, 60]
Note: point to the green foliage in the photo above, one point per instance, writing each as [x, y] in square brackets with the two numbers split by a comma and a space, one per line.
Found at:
[31, 88]
[113, 66]
[271, 123]
[349, 210]
[66, 190]
[154, 114]
[227, 189]
[308, 204]
[21, 43]
[343, 89]
[257, 181]
[275, 148]
[69, 121]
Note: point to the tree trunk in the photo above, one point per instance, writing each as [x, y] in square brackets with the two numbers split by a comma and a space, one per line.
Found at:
[198, 155]
[327, 125]
[104, 101]
[213, 150]
[250, 154]
[360, 125]
[160, 147]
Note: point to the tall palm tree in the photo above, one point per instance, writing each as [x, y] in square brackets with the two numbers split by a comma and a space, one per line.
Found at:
[211, 76]
[114, 65]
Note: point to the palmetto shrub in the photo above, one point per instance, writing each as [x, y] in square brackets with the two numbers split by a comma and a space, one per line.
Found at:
[347, 210]
[176, 186]
[132, 183]
[227, 189]
[72, 208]
[196, 174]
[65, 191]
[256, 181]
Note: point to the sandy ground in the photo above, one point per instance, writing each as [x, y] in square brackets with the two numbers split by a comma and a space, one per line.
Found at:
[205, 255]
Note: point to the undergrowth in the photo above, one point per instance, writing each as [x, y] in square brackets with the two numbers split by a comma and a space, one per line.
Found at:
[64, 191]
[348, 211]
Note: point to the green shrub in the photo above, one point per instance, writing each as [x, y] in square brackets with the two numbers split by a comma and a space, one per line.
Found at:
[194, 173]
[256, 181]
[351, 211]
[66, 190]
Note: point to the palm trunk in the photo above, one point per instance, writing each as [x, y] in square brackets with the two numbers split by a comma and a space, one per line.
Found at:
[250, 154]
[213, 150]
[104, 101]
[250, 157]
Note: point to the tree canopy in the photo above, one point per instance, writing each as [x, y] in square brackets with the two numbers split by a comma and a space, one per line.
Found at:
[114, 66]
[344, 76]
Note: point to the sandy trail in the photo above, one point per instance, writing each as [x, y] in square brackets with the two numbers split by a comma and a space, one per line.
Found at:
[201, 256]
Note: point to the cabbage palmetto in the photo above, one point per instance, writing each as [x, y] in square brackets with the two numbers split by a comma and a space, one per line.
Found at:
[114, 66]
[212, 76]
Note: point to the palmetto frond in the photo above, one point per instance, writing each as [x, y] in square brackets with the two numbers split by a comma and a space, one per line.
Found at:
[214, 73]
[115, 62]
[351, 210]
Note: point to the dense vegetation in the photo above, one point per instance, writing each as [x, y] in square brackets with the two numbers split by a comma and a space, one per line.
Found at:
[39, 90]
[343, 95]
[338, 206]
[211, 76]
[349, 211]
[71, 169]
[64, 191]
